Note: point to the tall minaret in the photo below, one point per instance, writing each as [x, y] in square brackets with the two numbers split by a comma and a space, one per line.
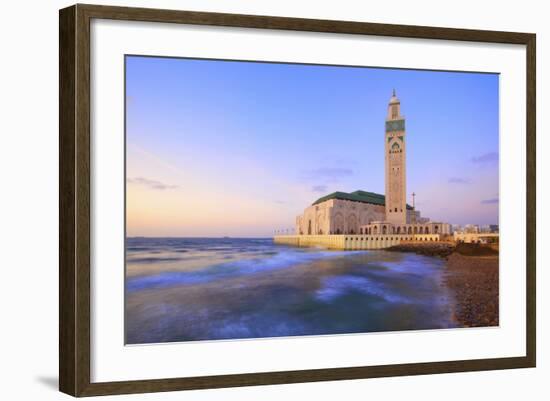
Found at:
[396, 150]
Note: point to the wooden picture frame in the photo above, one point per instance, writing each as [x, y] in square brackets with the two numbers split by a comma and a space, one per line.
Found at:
[74, 199]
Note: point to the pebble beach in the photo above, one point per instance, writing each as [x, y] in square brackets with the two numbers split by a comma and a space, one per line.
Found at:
[471, 273]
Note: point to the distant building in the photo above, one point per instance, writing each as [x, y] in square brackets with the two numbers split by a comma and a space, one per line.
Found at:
[456, 228]
[471, 228]
[476, 238]
[485, 228]
[362, 212]
[472, 233]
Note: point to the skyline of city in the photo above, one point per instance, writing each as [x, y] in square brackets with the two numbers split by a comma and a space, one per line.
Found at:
[225, 148]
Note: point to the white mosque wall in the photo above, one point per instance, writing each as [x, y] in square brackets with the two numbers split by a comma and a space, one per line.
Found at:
[336, 216]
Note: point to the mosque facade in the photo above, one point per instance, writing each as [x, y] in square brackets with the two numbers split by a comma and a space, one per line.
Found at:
[368, 213]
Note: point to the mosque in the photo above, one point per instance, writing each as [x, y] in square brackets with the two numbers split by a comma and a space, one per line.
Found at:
[369, 213]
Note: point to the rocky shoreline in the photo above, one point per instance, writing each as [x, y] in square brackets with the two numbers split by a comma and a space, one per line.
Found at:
[441, 249]
[471, 274]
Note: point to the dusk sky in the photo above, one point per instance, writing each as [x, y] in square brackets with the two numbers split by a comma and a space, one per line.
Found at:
[225, 148]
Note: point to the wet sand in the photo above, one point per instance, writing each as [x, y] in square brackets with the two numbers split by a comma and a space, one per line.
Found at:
[471, 273]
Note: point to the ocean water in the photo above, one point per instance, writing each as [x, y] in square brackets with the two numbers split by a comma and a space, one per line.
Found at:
[189, 289]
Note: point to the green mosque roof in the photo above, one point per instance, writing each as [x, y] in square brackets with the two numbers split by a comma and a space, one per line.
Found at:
[356, 196]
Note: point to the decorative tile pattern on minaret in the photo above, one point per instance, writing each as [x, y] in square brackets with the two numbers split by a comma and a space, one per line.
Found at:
[395, 147]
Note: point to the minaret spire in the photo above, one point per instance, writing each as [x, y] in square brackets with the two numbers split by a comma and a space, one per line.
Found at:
[395, 149]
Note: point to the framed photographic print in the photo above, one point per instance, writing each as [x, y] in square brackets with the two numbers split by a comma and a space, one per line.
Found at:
[250, 200]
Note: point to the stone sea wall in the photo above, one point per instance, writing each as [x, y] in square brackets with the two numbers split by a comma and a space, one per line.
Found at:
[352, 242]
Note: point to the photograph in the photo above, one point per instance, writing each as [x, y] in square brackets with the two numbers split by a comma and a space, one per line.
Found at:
[275, 199]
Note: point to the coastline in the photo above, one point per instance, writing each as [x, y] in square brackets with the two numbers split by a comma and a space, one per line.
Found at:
[472, 274]
[474, 282]
[440, 249]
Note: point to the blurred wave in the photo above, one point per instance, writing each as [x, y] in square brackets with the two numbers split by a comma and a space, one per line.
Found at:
[188, 289]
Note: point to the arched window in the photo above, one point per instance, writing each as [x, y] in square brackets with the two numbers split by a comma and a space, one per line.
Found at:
[352, 224]
[384, 229]
[309, 227]
[427, 230]
[338, 223]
